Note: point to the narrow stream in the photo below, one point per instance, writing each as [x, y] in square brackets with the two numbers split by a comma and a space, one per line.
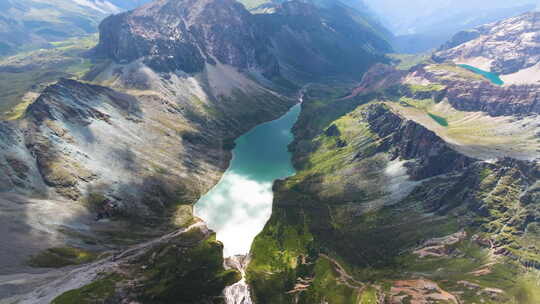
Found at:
[239, 206]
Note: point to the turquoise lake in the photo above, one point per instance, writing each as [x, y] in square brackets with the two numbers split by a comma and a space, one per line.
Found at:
[239, 206]
[494, 78]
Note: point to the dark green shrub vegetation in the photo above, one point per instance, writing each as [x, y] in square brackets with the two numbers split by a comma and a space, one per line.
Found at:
[440, 120]
[183, 274]
[100, 291]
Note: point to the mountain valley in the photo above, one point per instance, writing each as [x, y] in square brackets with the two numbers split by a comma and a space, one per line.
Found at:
[31, 24]
[414, 181]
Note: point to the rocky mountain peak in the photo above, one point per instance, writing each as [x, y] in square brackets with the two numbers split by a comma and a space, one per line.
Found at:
[170, 35]
[74, 101]
[504, 47]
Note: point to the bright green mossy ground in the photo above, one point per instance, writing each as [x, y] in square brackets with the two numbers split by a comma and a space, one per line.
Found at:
[190, 275]
[434, 87]
[61, 256]
[30, 71]
[457, 70]
[97, 292]
[407, 61]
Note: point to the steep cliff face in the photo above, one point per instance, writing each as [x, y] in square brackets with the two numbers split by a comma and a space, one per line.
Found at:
[505, 47]
[463, 89]
[478, 118]
[407, 140]
[468, 92]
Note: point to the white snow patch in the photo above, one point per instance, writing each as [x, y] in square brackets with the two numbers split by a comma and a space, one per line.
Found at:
[399, 184]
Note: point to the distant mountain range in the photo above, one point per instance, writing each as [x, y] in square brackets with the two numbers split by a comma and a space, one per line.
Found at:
[29, 24]
[421, 25]
[362, 13]
[432, 31]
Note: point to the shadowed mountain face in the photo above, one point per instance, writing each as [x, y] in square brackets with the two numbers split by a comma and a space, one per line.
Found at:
[299, 40]
[184, 35]
[28, 24]
[332, 41]
[361, 12]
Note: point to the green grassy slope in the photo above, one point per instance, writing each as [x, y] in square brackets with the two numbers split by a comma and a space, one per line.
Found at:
[31, 24]
[24, 75]
[342, 232]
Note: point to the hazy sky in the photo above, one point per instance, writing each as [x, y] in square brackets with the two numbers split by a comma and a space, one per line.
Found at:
[401, 13]
[425, 6]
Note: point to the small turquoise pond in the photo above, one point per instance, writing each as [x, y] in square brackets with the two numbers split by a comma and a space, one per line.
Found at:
[494, 78]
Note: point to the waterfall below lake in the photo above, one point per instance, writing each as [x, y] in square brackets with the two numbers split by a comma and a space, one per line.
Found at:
[239, 292]
[239, 206]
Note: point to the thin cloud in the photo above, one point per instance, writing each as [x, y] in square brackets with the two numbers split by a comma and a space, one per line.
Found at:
[237, 209]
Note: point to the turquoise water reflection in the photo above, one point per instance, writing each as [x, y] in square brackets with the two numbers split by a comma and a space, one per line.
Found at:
[238, 207]
[494, 78]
